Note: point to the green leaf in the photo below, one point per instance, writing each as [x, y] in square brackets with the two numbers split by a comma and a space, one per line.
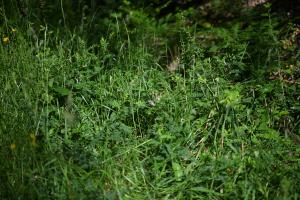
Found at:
[270, 135]
[177, 171]
[62, 91]
[50, 82]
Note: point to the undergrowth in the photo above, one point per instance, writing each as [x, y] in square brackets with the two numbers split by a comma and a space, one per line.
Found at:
[150, 111]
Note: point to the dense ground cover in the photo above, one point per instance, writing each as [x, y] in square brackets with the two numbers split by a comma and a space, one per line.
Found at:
[150, 110]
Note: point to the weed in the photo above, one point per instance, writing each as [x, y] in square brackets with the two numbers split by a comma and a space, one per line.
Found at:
[122, 119]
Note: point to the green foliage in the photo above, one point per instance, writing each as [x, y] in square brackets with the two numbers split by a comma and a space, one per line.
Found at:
[100, 115]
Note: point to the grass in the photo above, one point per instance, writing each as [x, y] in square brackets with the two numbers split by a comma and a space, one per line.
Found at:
[109, 121]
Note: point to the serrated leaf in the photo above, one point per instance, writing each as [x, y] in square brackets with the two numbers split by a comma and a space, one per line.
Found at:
[270, 135]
